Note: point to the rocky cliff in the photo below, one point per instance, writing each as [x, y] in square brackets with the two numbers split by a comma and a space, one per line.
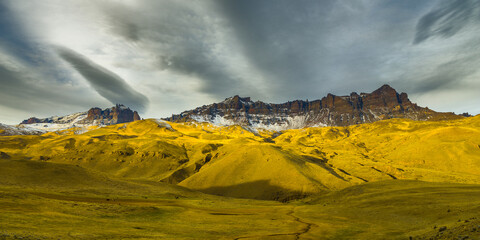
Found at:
[114, 115]
[93, 117]
[332, 110]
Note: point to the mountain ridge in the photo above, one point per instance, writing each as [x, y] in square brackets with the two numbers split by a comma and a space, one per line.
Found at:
[93, 117]
[332, 110]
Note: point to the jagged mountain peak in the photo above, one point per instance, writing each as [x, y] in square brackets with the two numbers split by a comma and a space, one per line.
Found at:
[237, 100]
[385, 88]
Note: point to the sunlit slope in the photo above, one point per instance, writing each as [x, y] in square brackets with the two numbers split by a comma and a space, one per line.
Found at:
[443, 151]
[232, 161]
[149, 149]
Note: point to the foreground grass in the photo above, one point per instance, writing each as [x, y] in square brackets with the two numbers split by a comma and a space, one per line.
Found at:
[395, 210]
[50, 215]
[384, 210]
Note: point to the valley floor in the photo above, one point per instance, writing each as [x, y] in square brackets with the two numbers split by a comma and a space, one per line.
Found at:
[394, 209]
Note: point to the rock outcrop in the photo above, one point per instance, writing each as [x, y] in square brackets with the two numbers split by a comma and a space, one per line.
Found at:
[34, 120]
[108, 116]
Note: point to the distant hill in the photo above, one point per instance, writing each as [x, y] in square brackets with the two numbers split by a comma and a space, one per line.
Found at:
[332, 110]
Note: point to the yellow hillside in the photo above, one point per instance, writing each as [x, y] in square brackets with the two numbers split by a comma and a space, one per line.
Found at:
[393, 179]
[232, 161]
[443, 151]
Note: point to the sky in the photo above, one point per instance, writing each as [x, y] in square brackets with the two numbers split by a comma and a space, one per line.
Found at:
[161, 57]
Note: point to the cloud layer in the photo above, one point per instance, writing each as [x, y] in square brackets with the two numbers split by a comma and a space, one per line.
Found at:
[168, 56]
[447, 19]
[105, 82]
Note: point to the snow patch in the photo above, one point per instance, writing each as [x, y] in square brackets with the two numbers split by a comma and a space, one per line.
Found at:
[217, 120]
[13, 130]
[257, 121]
[162, 123]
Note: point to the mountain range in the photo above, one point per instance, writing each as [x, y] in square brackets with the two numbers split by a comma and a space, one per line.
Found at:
[332, 110]
[383, 103]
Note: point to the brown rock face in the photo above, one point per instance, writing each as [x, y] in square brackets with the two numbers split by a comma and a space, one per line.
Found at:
[136, 117]
[385, 96]
[34, 120]
[94, 116]
[114, 115]
[94, 113]
[331, 110]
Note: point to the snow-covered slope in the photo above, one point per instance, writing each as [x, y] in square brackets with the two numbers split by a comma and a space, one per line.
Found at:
[82, 121]
[8, 130]
[56, 123]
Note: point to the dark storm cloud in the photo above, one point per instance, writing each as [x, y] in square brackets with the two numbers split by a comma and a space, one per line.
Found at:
[185, 45]
[284, 39]
[308, 48]
[206, 50]
[215, 80]
[447, 19]
[27, 94]
[14, 38]
[105, 82]
[18, 90]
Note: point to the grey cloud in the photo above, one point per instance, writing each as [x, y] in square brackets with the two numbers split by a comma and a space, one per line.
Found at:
[128, 30]
[216, 81]
[271, 50]
[23, 92]
[119, 23]
[308, 48]
[284, 40]
[106, 83]
[447, 19]
[301, 49]
[185, 45]
[447, 76]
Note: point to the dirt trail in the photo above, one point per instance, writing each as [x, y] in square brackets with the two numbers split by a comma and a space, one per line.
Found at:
[307, 227]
